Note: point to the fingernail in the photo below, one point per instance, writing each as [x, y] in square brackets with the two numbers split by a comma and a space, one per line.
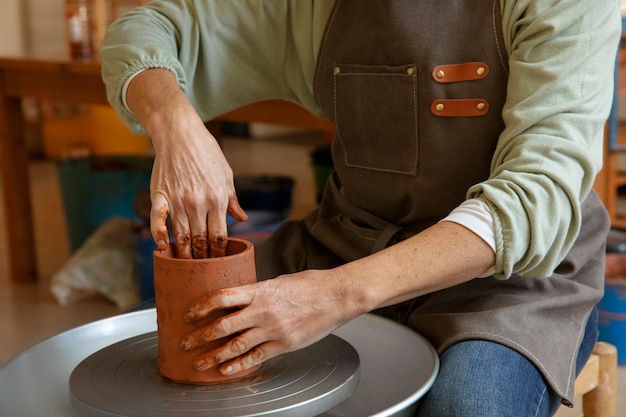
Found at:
[162, 245]
[186, 344]
[228, 370]
[200, 365]
[189, 317]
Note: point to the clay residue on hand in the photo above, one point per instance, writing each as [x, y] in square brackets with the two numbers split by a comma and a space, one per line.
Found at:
[218, 246]
[200, 246]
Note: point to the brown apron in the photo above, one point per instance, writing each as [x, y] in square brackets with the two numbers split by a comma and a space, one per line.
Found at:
[416, 90]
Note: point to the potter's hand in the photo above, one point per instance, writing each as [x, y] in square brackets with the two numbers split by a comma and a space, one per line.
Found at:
[276, 316]
[191, 180]
[293, 311]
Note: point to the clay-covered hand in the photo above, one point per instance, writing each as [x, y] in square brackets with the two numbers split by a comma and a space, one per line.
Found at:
[275, 316]
[191, 181]
[193, 184]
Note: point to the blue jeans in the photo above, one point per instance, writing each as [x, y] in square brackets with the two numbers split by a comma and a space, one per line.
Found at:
[478, 378]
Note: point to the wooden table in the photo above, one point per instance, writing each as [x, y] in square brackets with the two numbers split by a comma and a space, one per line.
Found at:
[65, 80]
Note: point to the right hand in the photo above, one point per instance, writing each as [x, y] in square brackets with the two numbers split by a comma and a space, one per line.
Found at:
[193, 184]
[191, 181]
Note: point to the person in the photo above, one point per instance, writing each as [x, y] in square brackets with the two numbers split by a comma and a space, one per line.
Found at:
[468, 138]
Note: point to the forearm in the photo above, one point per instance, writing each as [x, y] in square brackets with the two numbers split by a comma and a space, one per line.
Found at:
[191, 182]
[441, 256]
[158, 103]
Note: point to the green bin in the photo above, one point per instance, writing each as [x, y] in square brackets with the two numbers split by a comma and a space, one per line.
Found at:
[97, 188]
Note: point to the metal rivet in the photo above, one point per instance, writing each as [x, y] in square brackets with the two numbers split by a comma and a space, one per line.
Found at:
[480, 106]
[480, 70]
[337, 70]
[440, 74]
[409, 71]
[440, 107]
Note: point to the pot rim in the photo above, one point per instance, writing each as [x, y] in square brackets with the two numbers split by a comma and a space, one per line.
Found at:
[167, 254]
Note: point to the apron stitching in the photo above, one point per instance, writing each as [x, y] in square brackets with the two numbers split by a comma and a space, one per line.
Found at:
[495, 34]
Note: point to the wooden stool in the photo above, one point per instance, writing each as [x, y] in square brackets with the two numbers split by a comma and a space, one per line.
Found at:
[597, 382]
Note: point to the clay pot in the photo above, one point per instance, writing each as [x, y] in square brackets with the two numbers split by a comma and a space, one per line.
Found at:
[179, 282]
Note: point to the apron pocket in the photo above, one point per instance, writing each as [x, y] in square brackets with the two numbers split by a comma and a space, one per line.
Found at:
[376, 116]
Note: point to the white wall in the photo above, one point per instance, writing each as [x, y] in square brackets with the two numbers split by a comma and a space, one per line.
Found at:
[45, 26]
[36, 26]
[11, 37]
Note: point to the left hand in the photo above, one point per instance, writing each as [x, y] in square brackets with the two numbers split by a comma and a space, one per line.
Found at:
[276, 316]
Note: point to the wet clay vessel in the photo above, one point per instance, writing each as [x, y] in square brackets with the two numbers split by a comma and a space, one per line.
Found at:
[179, 282]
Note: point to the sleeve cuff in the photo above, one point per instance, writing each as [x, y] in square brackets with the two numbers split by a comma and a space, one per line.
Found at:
[125, 88]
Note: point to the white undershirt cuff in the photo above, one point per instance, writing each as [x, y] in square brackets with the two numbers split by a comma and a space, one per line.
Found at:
[475, 215]
[125, 88]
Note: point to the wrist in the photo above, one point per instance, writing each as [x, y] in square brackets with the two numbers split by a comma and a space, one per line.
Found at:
[356, 295]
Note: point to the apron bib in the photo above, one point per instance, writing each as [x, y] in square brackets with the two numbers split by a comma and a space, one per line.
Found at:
[416, 90]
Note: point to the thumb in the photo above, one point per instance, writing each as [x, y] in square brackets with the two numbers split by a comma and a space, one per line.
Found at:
[235, 210]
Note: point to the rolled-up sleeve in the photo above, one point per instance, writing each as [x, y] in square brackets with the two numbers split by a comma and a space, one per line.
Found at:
[225, 54]
[561, 56]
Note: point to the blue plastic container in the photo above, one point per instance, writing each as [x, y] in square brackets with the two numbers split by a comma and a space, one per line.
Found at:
[612, 307]
[267, 199]
[145, 246]
[95, 189]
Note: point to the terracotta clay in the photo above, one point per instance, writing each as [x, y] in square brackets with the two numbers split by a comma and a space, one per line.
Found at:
[179, 282]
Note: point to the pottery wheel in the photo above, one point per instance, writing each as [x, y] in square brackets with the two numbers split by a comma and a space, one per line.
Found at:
[123, 380]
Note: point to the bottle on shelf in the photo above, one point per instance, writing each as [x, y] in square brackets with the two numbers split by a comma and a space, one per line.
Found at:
[79, 28]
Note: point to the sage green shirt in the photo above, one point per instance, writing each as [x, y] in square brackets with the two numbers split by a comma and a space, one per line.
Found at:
[561, 54]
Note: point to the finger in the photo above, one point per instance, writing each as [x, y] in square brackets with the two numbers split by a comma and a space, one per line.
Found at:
[218, 234]
[254, 357]
[182, 237]
[250, 349]
[198, 227]
[221, 327]
[240, 353]
[158, 220]
[199, 246]
[225, 299]
[235, 210]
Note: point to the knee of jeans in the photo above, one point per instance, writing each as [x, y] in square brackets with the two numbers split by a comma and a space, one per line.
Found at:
[481, 378]
[451, 401]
